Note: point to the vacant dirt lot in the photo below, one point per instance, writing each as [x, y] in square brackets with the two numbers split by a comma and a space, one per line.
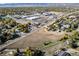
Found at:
[36, 39]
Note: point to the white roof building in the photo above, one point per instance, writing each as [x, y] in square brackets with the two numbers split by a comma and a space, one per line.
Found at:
[33, 17]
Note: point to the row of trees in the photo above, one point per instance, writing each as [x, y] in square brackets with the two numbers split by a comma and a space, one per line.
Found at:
[73, 39]
[10, 29]
[23, 10]
[29, 52]
[65, 24]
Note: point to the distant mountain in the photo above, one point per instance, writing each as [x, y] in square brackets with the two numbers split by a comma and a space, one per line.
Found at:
[40, 5]
[24, 5]
[76, 5]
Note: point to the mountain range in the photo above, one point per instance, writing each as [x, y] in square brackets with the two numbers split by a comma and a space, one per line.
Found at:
[39, 5]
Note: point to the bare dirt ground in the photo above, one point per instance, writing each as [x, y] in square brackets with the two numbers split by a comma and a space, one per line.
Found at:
[37, 39]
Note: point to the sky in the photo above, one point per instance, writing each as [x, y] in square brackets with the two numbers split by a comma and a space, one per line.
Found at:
[39, 1]
[39, 5]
